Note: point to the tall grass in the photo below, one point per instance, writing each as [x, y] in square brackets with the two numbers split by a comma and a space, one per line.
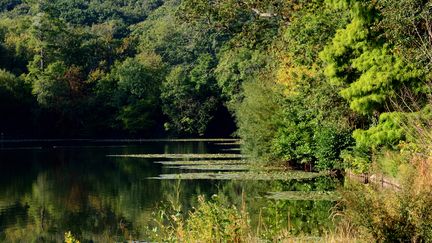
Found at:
[405, 214]
[390, 215]
[214, 221]
[209, 221]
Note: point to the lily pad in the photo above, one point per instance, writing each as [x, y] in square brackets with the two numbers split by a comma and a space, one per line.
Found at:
[229, 143]
[220, 166]
[302, 195]
[179, 156]
[203, 162]
[216, 140]
[250, 175]
[232, 150]
[212, 167]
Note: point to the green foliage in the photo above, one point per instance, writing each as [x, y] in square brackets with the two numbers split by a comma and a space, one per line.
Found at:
[388, 215]
[298, 76]
[175, 41]
[80, 12]
[235, 67]
[189, 97]
[51, 88]
[138, 116]
[133, 88]
[329, 83]
[64, 49]
[404, 25]
[69, 238]
[210, 220]
[382, 75]
[245, 216]
[311, 28]
[330, 142]
[12, 86]
[242, 21]
[388, 131]
[310, 135]
[139, 77]
[301, 110]
[373, 78]
[294, 139]
[257, 118]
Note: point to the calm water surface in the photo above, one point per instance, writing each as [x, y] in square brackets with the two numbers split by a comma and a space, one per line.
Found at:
[47, 189]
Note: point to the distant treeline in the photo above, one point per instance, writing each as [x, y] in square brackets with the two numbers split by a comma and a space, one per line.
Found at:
[106, 69]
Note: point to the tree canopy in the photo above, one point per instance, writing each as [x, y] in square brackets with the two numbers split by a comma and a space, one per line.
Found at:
[319, 83]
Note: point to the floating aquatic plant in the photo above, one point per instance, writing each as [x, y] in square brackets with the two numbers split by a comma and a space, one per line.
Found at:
[303, 195]
[232, 149]
[229, 144]
[180, 156]
[216, 140]
[202, 162]
[250, 175]
[221, 167]
[211, 167]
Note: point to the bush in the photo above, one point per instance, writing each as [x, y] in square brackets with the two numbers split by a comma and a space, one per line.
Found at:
[330, 142]
[69, 238]
[258, 118]
[210, 221]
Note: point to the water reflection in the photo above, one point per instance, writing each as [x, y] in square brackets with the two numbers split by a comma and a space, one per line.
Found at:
[46, 192]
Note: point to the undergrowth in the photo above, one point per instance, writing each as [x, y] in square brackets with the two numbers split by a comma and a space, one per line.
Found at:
[212, 220]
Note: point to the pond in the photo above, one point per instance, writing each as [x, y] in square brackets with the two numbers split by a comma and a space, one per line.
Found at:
[110, 190]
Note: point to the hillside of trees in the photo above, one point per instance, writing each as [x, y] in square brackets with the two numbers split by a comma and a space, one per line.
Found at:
[327, 84]
[73, 69]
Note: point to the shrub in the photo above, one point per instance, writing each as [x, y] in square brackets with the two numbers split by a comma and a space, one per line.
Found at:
[390, 215]
[69, 238]
[210, 221]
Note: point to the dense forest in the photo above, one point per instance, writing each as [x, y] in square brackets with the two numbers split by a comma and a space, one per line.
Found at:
[323, 83]
[107, 69]
[318, 84]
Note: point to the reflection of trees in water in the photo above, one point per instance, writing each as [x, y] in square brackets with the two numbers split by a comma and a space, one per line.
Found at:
[96, 199]
[186, 148]
[91, 212]
[89, 200]
[110, 199]
[52, 209]
[306, 217]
